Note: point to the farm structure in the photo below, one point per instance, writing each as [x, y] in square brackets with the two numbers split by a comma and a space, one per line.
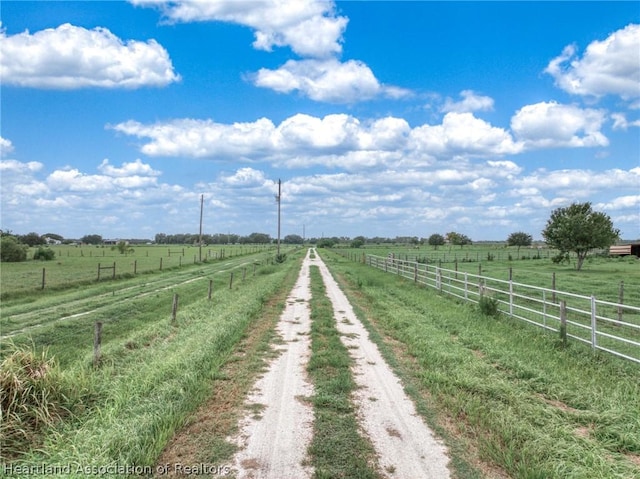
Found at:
[625, 249]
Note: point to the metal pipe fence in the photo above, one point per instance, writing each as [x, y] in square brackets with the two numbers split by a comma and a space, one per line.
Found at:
[604, 325]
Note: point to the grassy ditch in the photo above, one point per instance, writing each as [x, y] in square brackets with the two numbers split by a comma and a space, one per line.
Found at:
[509, 397]
[337, 448]
[150, 379]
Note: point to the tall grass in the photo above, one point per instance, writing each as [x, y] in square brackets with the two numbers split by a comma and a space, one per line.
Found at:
[510, 396]
[35, 394]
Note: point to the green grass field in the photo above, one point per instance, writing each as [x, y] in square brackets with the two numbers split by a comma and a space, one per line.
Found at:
[153, 371]
[78, 265]
[600, 276]
[508, 398]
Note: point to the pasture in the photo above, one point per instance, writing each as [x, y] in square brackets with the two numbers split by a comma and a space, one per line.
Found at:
[509, 399]
[153, 369]
[77, 265]
[600, 276]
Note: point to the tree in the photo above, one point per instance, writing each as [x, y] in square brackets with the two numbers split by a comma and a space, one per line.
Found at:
[32, 239]
[123, 247]
[579, 229]
[519, 239]
[358, 242]
[436, 240]
[293, 239]
[91, 239]
[458, 239]
[11, 250]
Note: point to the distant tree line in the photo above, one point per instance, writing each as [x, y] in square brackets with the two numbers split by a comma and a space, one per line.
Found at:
[573, 229]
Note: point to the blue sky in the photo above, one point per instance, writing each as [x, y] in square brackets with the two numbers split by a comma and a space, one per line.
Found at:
[380, 118]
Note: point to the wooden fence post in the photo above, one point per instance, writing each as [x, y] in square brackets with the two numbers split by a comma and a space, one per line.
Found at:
[244, 273]
[231, 281]
[114, 271]
[174, 308]
[98, 271]
[553, 287]
[210, 289]
[160, 264]
[135, 266]
[43, 277]
[563, 322]
[97, 341]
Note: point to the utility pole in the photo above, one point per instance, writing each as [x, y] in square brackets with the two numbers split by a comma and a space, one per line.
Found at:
[278, 197]
[200, 240]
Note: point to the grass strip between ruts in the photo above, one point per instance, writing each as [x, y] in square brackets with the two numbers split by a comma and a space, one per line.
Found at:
[338, 449]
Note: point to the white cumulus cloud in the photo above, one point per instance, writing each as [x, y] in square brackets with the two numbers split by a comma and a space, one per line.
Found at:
[607, 67]
[550, 124]
[69, 57]
[471, 101]
[310, 28]
[326, 80]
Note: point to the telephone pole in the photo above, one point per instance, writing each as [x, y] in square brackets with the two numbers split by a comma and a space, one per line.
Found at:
[200, 239]
[278, 197]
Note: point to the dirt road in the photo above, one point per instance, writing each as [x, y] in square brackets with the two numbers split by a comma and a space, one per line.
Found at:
[274, 442]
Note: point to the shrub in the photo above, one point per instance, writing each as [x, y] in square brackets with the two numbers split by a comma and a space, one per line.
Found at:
[44, 254]
[11, 250]
[489, 306]
[280, 258]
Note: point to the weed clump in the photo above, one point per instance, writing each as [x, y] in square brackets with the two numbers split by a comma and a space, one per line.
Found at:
[489, 306]
[34, 395]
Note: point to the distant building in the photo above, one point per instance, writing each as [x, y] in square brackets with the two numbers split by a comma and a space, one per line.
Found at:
[625, 249]
[114, 241]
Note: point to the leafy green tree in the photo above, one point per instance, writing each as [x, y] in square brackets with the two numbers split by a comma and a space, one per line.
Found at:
[436, 240]
[458, 239]
[91, 239]
[519, 239]
[358, 242]
[326, 243]
[32, 239]
[579, 229]
[123, 247]
[11, 250]
[293, 239]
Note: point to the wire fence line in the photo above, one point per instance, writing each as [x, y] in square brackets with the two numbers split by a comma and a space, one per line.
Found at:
[613, 327]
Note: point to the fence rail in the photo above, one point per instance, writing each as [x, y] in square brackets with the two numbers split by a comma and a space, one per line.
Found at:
[604, 325]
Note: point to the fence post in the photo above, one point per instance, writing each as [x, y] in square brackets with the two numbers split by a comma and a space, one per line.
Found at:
[244, 273]
[510, 296]
[544, 309]
[620, 300]
[553, 287]
[210, 289]
[135, 266]
[97, 340]
[160, 264]
[98, 271]
[594, 335]
[415, 272]
[231, 281]
[563, 322]
[43, 277]
[174, 308]
[466, 287]
[114, 271]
